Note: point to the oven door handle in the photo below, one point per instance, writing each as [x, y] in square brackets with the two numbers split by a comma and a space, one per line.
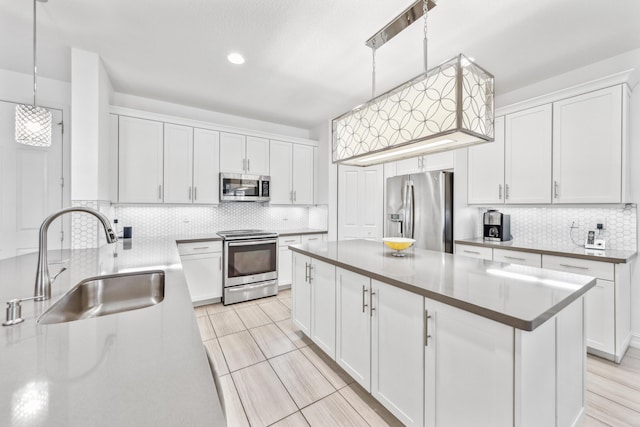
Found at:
[245, 288]
[252, 242]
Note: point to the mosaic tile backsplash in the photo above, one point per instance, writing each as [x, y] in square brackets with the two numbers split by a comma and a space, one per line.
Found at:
[151, 221]
[552, 224]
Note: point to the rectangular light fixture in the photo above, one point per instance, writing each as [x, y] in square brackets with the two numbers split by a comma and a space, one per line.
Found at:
[450, 106]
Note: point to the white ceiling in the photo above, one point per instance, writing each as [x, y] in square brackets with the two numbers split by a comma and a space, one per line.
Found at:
[306, 60]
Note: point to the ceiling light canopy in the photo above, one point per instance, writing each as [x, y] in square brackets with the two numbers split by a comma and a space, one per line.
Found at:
[448, 107]
[235, 58]
[33, 123]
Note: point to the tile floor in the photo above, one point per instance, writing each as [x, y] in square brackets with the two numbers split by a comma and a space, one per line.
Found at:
[271, 374]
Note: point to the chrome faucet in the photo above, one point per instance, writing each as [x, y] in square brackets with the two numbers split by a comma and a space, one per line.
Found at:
[42, 289]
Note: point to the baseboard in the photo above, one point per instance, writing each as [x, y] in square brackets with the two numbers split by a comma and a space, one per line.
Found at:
[635, 340]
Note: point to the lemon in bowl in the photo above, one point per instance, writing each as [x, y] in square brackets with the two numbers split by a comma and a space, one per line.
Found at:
[398, 244]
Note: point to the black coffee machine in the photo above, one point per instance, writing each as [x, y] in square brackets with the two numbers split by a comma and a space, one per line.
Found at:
[496, 226]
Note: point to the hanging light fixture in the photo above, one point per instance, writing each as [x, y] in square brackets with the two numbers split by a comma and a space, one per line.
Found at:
[33, 123]
[445, 108]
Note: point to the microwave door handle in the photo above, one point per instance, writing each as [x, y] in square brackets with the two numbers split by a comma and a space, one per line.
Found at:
[252, 242]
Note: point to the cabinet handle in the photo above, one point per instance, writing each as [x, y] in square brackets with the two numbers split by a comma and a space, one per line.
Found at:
[371, 294]
[364, 304]
[195, 193]
[506, 191]
[289, 241]
[426, 328]
[306, 272]
[248, 165]
[312, 238]
[499, 191]
[555, 189]
[244, 164]
[201, 248]
[190, 193]
[159, 192]
[515, 258]
[574, 266]
[310, 277]
[470, 252]
[220, 263]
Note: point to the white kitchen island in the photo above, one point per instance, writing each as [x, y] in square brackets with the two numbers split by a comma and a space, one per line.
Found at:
[446, 340]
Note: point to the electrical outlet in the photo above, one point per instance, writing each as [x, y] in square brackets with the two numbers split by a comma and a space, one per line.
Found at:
[600, 224]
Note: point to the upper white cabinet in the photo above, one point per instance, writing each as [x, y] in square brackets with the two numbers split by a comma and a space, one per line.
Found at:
[206, 166]
[244, 154]
[178, 163]
[140, 153]
[486, 169]
[292, 173]
[427, 163]
[360, 203]
[527, 156]
[587, 147]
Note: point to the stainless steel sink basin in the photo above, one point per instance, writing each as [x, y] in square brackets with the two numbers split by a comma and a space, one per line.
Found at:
[103, 295]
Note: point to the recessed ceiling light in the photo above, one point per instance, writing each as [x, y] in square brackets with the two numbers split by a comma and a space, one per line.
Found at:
[236, 58]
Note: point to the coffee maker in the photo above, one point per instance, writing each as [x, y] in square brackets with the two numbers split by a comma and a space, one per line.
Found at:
[496, 226]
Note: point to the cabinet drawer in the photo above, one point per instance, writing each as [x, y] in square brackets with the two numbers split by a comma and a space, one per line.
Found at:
[311, 238]
[598, 269]
[193, 248]
[479, 252]
[288, 240]
[517, 257]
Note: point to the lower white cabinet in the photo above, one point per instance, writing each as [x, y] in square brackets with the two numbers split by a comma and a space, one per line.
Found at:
[202, 267]
[478, 252]
[313, 300]
[285, 259]
[600, 320]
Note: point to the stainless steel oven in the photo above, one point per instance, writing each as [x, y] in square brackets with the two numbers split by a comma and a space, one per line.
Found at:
[250, 260]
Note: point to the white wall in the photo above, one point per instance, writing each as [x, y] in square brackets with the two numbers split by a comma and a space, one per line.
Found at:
[183, 111]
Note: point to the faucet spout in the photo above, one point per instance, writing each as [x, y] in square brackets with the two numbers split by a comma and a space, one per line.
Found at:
[42, 290]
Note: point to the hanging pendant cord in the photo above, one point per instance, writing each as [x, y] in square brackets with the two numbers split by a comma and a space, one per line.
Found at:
[35, 69]
[425, 9]
[373, 69]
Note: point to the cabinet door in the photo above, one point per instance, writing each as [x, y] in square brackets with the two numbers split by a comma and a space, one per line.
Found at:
[479, 252]
[406, 166]
[438, 161]
[360, 206]
[527, 151]
[281, 154]
[600, 315]
[486, 169]
[323, 307]
[301, 294]
[468, 364]
[257, 156]
[232, 153]
[353, 326]
[518, 257]
[397, 352]
[140, 161]
[206, 166]
[285, 264]
[587, 148]
[204, 275]
[303, 170]
[178, 163]
[312, 238]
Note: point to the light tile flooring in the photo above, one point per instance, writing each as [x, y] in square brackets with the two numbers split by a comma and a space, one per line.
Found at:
[271, 374]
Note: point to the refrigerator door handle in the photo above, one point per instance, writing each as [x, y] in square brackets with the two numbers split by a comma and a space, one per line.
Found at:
[409, 206]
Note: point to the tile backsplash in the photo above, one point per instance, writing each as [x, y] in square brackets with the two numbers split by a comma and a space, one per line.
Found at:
[540, 224]
[151, 221]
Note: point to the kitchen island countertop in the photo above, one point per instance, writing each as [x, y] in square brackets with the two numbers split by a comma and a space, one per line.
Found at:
[145, 367]
[517, 296]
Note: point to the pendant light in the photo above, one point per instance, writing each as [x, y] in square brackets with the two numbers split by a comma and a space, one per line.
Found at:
[445, 108]
[33, 123]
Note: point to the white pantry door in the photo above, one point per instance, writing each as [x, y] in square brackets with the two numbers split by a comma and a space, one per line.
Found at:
[30, 187]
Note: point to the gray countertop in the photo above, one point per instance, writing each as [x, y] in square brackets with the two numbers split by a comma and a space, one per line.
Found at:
[145, 367]
[518, 296]
[610, 255]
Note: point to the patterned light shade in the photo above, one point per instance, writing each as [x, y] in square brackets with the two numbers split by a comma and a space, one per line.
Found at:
[448, 107]
[33, 125]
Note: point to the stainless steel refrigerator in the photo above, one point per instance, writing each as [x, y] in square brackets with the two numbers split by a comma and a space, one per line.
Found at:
[420, 206]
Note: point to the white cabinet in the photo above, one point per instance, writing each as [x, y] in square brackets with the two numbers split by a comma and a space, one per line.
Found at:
[427, 163]
[600, 319]
[397, 351]
[527, 151]
[206, 170]
[244, 154]
[469, 363]
[140, 160]
[285, 259]
[292, 173]
[587, 147]
[485, 177]
[517, 257]
[202, 267]
[360, 204]
[478, 252]
[314, 300]
[311, 238]
[178, 163]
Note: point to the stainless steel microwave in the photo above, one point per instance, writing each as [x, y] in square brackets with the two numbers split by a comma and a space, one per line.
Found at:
[235, 187]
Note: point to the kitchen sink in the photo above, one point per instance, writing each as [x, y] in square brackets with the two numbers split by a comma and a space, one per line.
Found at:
[104, 295]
